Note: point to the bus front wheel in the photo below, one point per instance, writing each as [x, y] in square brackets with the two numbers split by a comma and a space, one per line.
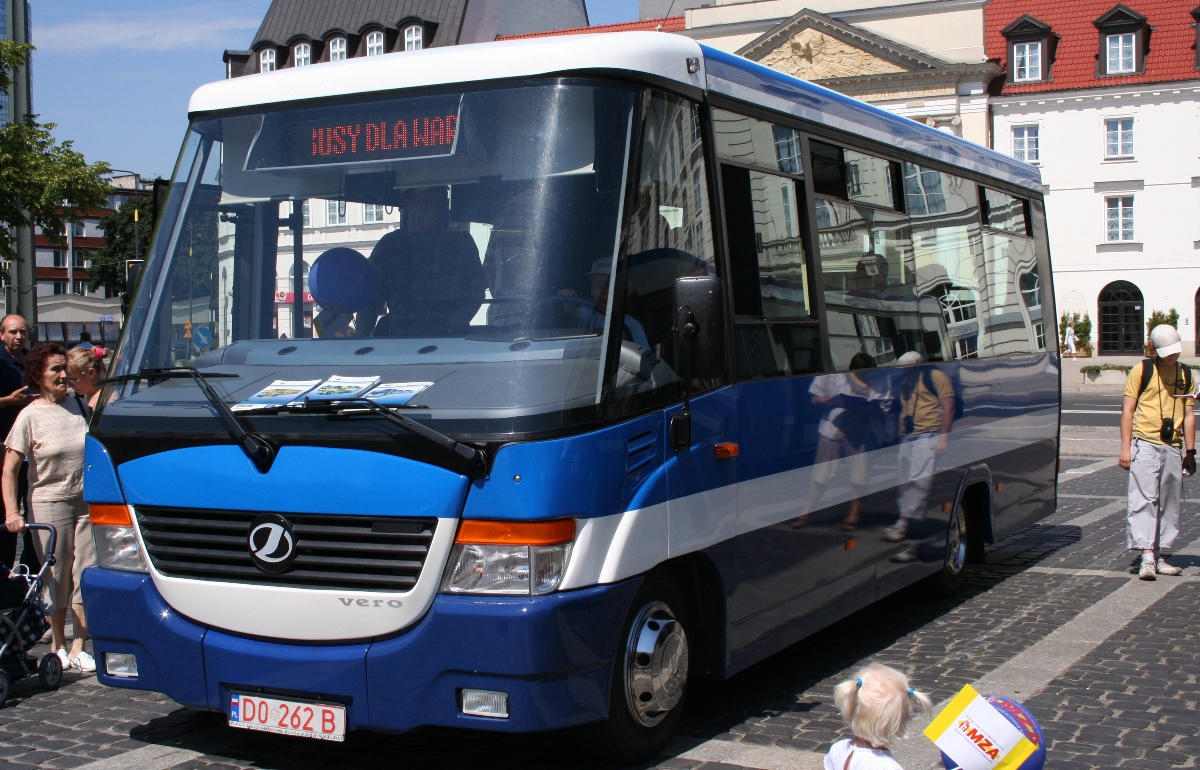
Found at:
[649, 677]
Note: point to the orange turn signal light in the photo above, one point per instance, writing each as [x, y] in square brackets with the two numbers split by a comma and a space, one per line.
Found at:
[726, 449]
[516, 532]
[111, 514]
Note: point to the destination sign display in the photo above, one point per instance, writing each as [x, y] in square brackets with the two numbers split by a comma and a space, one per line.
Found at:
[403, 129]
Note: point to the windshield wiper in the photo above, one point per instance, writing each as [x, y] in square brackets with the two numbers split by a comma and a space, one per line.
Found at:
[471, 460]
[260, 452]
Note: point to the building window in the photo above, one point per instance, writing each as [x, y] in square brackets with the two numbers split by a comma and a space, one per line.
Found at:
[1027, 62]
[375, 43]
[1118, 138]
[302, 55]
[414, 38]
[57, 259]
[1124, 42]
[306, 215]
[60, 287]
[80, 288]
[1119, 218]
[335, 212]
[1025, 144]
[372, 213]
[337, 49]
[1121, 57]
[1031, 45]
[266, 60]
[80, 260]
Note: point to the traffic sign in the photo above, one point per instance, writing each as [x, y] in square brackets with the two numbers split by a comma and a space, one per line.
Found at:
[107, 319]
[187, 330]
[202, 337]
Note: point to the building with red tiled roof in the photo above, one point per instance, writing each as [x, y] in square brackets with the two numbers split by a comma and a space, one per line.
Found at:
[665, 24]
[1105, 98]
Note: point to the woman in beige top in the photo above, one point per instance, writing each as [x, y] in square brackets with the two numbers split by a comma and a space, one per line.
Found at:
[51, 437]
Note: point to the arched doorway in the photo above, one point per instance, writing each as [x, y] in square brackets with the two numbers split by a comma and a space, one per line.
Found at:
[1122, 319]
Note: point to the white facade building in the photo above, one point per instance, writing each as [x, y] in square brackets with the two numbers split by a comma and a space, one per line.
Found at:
[1105, 97]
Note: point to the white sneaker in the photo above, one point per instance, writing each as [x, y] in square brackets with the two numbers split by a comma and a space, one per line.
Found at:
[62, 656]
[1167, 569]
[1149, 568]
[84, 662]
[896, 532]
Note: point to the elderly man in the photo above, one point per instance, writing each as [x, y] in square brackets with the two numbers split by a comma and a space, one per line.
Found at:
[14, 333]
[1158, 444]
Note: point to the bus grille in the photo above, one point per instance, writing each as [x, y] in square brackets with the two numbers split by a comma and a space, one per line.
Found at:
[361, 553]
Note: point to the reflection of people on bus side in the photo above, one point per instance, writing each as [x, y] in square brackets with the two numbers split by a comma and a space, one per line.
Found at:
[926, 416]
[593, 317]
[848, 429]
[430, 279]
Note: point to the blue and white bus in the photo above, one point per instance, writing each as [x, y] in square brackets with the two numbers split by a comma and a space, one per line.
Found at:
[512, 386]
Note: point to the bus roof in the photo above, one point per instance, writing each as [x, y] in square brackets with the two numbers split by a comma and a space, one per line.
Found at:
[662, 55]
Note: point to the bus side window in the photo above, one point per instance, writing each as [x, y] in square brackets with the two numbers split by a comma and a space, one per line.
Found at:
[769, 276]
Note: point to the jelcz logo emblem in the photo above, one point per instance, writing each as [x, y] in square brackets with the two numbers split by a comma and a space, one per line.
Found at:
[271, 543]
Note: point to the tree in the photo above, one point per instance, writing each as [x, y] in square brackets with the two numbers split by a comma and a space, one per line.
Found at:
[108, 264]
[42, 181]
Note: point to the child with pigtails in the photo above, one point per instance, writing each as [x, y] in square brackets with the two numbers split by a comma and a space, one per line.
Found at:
[877, 706]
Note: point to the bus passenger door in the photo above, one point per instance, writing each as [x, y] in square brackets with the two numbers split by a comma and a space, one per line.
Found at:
[781, 558]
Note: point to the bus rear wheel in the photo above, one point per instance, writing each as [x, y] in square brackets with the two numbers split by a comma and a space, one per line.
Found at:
[649, 679]
[949, 578]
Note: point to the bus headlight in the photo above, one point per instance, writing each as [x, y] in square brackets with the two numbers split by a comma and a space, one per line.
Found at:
[117, 545]
[509, 558]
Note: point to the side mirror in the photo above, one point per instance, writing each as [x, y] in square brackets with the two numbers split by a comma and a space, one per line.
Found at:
[699, 327]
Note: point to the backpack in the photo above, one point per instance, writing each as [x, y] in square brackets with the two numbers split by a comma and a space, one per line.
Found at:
[1148, 372]
[927, 378]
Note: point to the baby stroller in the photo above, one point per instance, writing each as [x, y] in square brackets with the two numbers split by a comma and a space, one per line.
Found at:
[22, 623]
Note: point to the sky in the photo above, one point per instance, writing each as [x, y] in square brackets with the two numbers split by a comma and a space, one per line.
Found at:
[116, 77]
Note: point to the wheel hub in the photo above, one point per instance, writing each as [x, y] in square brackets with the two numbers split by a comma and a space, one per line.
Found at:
[956, 545]
[656, 664]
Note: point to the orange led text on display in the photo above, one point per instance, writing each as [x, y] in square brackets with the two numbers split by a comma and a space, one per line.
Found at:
[360, 139]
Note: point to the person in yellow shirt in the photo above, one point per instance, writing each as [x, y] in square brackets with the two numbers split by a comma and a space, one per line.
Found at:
[926, 417]
[1158, 444]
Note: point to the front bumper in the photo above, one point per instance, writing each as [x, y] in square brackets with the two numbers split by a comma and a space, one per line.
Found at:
[551, 654]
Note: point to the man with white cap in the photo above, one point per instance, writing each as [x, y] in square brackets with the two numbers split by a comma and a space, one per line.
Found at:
[926, 415]
[1158, 444]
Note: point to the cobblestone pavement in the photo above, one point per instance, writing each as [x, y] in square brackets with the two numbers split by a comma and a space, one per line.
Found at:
[1129, 701]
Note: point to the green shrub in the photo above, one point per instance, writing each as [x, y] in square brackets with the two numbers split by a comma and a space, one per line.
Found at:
[1083, 331]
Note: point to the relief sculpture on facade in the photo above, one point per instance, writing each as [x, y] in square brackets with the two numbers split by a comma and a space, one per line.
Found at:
[812, 55]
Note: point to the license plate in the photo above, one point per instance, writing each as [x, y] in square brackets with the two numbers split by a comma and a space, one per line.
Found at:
[324, 721]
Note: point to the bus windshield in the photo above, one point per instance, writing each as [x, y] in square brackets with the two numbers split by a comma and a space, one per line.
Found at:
[450, 250]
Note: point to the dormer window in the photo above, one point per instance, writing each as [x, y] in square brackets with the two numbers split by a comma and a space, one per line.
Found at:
[1027, 61]
[1031, 46]
[337, 49]
[414, 37]
[374, 43]
[1120, 53]
[266, 60]
[1196, 26]
[1124, 42]
[301, 55]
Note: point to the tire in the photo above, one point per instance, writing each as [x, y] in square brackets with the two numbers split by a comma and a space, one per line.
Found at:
[4, 688]
[649, 679]
[50, 671]
[948, 580]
